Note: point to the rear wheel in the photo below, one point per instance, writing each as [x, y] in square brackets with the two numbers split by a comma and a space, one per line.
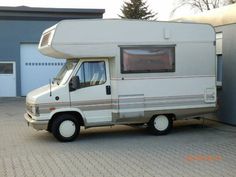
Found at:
[160, 125]
[65, 128]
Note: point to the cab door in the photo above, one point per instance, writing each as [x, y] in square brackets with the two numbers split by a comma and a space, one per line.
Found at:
[93, 97]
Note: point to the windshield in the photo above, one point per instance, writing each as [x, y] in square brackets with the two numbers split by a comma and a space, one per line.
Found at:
[65, 72]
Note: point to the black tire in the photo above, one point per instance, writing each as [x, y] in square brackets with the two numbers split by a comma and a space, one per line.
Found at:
[163, 129]
[59, 129]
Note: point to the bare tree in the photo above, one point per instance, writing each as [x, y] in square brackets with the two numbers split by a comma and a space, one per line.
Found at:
[202, 5]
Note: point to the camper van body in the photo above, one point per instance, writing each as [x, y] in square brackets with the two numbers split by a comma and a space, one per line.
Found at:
[152, 73]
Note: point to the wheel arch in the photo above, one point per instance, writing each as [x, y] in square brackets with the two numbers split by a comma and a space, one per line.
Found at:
[75, 113]
[169, 115]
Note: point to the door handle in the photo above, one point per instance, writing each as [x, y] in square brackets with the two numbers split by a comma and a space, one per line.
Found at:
[108, 89]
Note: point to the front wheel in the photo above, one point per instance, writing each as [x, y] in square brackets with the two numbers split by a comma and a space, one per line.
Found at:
[65, 128]
[160, 125]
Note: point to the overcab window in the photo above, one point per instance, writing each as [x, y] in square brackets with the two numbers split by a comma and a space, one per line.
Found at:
[147, 59]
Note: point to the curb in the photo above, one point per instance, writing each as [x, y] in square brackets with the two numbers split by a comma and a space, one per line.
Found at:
[5, 99]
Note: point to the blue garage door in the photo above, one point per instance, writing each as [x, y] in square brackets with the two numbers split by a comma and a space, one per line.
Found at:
[36, 69]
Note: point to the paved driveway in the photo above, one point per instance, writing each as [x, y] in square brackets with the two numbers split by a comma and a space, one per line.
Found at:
[192, 149]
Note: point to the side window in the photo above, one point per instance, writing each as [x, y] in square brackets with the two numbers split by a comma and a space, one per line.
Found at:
[148, 59]
[92, 73]
[6, 68]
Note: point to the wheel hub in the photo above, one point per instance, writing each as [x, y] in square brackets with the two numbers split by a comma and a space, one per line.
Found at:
[161, 123]
[67, 128]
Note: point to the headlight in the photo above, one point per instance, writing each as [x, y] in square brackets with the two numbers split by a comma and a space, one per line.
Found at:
[35, 110]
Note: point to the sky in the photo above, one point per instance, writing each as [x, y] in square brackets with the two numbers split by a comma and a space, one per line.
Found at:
[112, 7]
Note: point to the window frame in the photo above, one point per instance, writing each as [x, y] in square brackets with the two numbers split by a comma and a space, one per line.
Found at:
[12, 65]
[82, 65]
[122, 48]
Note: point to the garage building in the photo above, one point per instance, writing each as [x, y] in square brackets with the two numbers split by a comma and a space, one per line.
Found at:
[22, 67]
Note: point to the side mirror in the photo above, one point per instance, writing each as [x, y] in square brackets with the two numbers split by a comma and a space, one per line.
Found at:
[74, 83]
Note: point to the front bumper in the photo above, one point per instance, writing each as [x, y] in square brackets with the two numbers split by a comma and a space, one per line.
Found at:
[36, 124]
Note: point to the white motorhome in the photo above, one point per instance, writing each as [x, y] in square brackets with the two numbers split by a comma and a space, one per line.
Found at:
[124, 72]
